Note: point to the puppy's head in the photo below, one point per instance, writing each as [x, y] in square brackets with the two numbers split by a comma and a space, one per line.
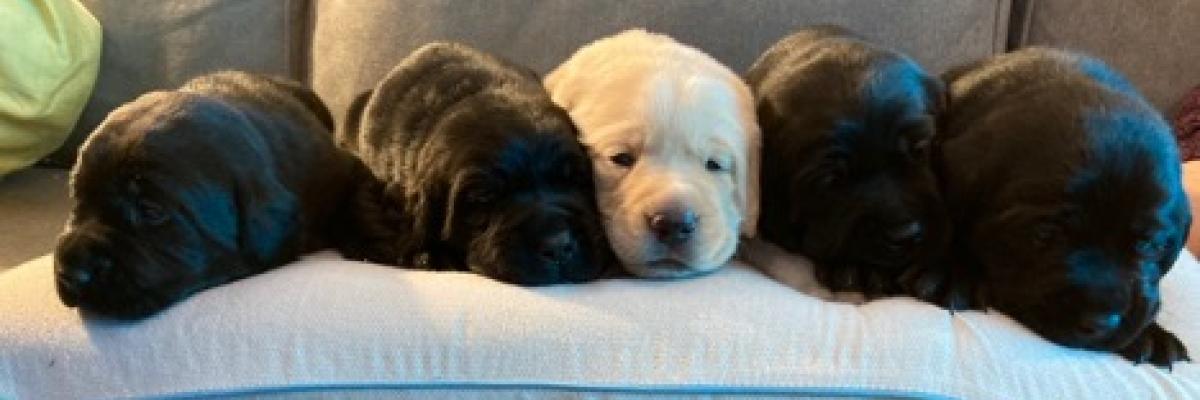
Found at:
[849, 170]
[1077, 254]
[171, 197]
[510, 190]
[674, 147]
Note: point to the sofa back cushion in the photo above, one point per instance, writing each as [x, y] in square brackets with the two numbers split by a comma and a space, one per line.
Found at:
[155, 44]
[1153, 43]
[344, 47]
[355, 43]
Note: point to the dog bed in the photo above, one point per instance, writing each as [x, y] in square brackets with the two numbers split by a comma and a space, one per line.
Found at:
[324, 326]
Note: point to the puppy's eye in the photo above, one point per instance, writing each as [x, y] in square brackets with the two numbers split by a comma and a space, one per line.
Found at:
[829, 178]
[480, 196]
[712, 165]
[832, 169]
[831, 175]
[151, 213]
[623, 159]
[1044, 234]
[918, 149]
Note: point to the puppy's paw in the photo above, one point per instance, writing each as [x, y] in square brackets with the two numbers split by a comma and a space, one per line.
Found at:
[877, 283]
[871, 283]
[1156, 346]
[939, 286]
[924, 283]
[842, 278]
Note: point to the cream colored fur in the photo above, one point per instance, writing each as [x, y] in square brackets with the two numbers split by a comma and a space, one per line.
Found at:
[673, 108]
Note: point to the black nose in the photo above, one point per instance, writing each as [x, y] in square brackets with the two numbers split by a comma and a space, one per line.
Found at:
[1098, 325]
[76, 272]
[558, 248]
[673, 227]
[906, 235]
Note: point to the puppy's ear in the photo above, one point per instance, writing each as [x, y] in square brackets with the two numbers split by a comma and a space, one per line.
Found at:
[268, 216]
[347, 134]
[1182, 217]
[267, 211]
[936, 95]
[426, 204]
[559, 85]
[747, 186]
[452, 211]
[367, 226]
[307, 98]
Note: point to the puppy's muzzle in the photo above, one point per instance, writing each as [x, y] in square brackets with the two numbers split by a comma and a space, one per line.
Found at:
[558, 248]
[78, 267]
[1096, 326]
[673, 227]
[1111, 326]
[904, 237]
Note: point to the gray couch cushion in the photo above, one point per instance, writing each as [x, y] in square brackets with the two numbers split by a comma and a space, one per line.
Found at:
[356, 42]
[1151, 42]
[154, 44]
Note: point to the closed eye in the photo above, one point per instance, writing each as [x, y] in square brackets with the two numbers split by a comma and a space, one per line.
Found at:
[918, 149]
[713, 165]
[480, 196]
[915, 137]
[145, 211]
[151, 213]
[831, 171]
[623, 159]
[1045, 234]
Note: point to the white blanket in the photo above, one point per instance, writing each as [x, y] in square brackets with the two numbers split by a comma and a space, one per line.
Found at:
[328, 326]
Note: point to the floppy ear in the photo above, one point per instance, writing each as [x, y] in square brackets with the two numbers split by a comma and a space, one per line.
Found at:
[560, 84]
[425, 202]
[936, 95]
[267, 212]
[367, 226]
[456, 189]
[747, 185]
[347, 134]
[268, 217]
[1182, 217]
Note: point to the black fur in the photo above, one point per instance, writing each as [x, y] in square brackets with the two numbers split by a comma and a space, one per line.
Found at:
[1064, 188]
[178, 191]
[846, 178]
[476, 170]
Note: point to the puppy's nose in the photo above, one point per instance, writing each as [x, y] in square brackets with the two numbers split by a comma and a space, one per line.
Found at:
[82, 272]
[75, 275]
[906, 235]
[558, 248]
[674, 227]
[1098, 325]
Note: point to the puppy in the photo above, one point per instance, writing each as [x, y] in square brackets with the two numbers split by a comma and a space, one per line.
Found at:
[846, 174]
[182, 190]
[477, 170]
[1065, 192]
[674, 145]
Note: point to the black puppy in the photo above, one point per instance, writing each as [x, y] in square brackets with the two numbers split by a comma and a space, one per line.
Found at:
[178, 191]
[846, 178]
[478, 171]
[1065, 193]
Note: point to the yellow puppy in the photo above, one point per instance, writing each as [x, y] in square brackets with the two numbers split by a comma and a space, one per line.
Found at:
[675, 147]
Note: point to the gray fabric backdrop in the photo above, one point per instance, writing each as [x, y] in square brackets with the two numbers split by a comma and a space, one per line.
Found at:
[1156, 43]
[356, 42]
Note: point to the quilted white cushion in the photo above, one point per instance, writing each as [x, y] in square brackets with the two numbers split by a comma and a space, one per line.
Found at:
[324, 326]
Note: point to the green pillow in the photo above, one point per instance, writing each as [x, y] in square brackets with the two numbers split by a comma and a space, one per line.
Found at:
[49, 54]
